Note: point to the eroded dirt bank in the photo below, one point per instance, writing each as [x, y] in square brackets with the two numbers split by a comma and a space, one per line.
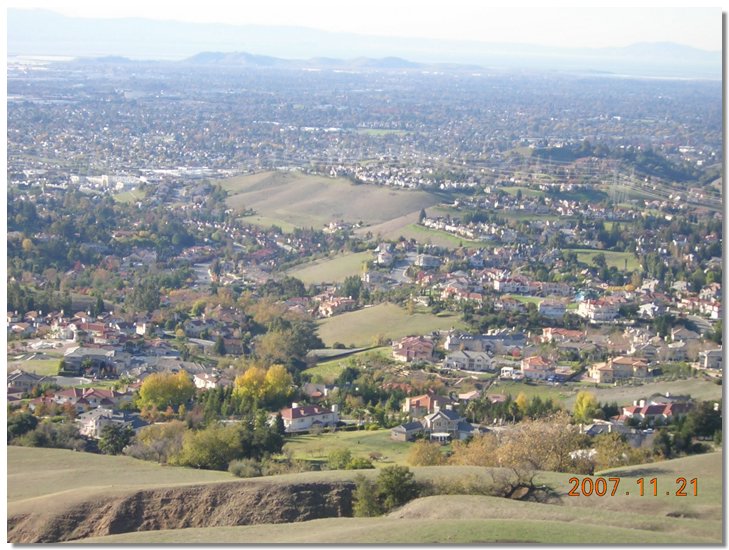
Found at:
[212, 505]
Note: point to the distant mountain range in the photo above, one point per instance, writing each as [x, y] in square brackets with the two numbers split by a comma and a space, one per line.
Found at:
[40, 32]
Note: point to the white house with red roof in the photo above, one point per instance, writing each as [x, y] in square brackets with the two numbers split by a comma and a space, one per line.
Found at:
[302, 418]
[413, 348]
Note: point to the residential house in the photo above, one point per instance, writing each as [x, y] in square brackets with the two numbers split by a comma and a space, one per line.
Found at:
[413, 348]
[711, 359]
[446, 424]
[598, 310]
[406, 432]
[427, 261]
[536, 368]
[552, 334]
[656, 413]
[303, 418]
[552, 309]
[479, 361]
[92, 423]
[336, 305]
[422, 405]
[25, 381]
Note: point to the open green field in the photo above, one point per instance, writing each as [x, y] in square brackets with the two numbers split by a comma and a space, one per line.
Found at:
[700, 389]
[525, 191]
[360, 442]
[130, 196]
[434, 236]
[616, 259]
[378, 132]
[558, 394]
[526, 299]
[329, 370]
[294, 199]
[619, 519]
[365, 326]
[43, 367]
[333, 269]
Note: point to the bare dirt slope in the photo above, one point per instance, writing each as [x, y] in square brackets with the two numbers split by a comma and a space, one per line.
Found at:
[212, 505]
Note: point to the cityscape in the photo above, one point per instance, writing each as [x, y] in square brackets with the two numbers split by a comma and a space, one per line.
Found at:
[251, 298]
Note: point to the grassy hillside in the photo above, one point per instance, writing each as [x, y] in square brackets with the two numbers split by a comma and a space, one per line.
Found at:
[50, 478]
[360, 443]
[612, 259]
[302, 200]
[363, 327]
[331, 270]
[618, 519]
[34, 473]
[329, 369]
[698, 388]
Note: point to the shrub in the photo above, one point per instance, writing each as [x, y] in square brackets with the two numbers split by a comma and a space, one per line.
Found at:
[246, 467]
[424, 453]
[59, 436]
[338, 459]
[359, 463]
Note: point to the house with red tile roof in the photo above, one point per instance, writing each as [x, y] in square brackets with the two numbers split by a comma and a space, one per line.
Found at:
[413, 348]
[303, 418]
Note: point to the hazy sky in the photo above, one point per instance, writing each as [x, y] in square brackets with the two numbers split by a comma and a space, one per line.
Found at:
[445, 19]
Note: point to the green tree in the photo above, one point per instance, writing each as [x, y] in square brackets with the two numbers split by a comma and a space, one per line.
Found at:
[366, 503]
[219, 347]
[396, 486]
[114, 437]
[338, 459]
[19, 424]
[212, 448]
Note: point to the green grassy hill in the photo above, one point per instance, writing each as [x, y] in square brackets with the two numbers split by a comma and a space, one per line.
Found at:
[40, 479]
[294, 199]
[331, 270]
[363, 327]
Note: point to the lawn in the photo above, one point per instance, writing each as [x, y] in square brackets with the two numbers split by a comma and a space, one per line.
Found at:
[525, 191]
[526, 299]
[625, 395]
[129, 196]
[44, 367]
[329, 370]
[613, 259]
[378, 132]
[366, 326]
[331, 270]
[435, 237]
[360, 442]
[295, 199]
[558, 394]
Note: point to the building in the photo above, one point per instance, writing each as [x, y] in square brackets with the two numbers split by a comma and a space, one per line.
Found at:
[25, 381]
[302, 419]
[598, 310]
[552, 309]
[424, 404]
[413, 348]
[479, 361]
[711, 359]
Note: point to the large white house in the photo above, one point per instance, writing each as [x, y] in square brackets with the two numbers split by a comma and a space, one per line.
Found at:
[469, 360]
[302, 419]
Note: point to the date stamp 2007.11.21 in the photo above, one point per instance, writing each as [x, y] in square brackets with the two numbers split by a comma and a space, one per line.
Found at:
[611, 486]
